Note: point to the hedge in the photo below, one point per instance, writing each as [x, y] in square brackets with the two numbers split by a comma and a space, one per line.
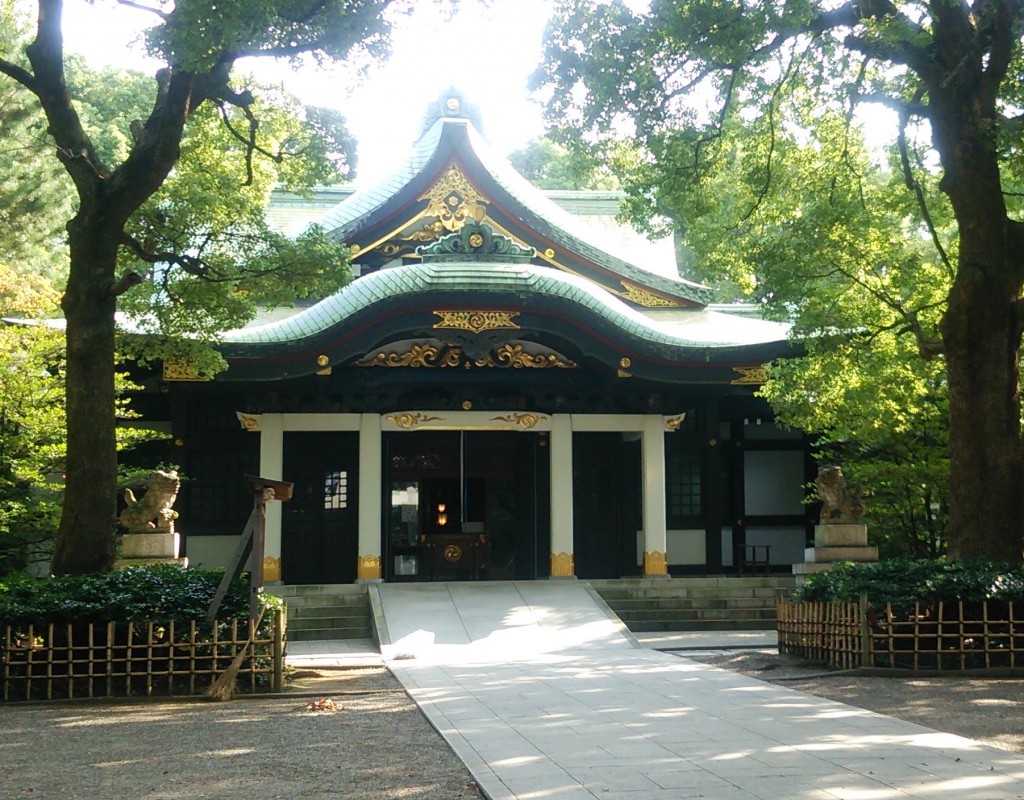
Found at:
[159, 594]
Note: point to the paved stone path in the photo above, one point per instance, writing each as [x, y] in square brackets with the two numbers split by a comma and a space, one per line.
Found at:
[544, 695]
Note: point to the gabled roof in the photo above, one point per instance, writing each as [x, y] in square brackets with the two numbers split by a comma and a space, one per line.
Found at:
[452, 175]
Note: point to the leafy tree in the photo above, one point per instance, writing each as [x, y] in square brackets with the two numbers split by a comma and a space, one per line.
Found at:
[549, 165]
[690, 82]
[31, 422]
[129, 225]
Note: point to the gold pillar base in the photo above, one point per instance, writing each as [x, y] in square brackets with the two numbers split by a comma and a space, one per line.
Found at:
[562, 565]
[271, 569]
[655, 563]
[368, 568]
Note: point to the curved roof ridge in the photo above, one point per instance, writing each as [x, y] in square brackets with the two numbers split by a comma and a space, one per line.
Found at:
[367, 199]
[502, 278]
[538, 201]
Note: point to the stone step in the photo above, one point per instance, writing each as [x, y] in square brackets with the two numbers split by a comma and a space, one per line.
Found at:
[323, 634]
[652, 626]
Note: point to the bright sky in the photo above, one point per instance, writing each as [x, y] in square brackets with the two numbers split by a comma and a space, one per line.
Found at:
[486, 53]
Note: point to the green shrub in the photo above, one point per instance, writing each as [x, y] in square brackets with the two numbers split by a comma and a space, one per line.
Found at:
[903, 582]
[156, 594]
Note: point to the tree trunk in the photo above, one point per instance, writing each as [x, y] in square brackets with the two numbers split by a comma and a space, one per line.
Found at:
[980, 333]
[85, 541]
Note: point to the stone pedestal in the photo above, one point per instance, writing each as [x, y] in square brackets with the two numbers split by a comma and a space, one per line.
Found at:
[835, 541]
[161, 546]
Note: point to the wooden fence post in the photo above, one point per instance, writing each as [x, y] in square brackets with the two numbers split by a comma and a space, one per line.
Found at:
[280, 620]
[865, 633]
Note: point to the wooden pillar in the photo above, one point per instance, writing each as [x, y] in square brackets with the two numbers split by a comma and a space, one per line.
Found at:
[655, 534]
[562, 564]
[368, 567]
[271, 428]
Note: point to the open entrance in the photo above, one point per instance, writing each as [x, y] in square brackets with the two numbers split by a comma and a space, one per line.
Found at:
[466, 505]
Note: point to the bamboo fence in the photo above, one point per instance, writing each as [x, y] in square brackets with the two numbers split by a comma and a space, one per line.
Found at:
[117, 660]
[954, 636]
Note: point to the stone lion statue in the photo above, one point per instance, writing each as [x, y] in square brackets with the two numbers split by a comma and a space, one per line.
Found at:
[838, 504]
[153, 511]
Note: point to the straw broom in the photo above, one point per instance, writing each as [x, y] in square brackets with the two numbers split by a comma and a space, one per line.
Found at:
[223, 688]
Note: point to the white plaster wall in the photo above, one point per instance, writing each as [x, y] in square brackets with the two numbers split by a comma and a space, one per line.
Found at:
[787, 543]
[210, 552]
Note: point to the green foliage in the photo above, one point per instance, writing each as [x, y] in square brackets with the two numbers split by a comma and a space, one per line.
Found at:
[32, 421]
[158, 594]
[903, 582]
[549, 165]
[749, 152]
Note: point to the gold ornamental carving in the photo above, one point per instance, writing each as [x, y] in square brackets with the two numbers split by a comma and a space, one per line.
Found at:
[645, 298]
[368, 568]
[523, 420]
[508, 356]
[453, 554]
[674, 423]
[181, 371]
[562, 565]
[271, 568]
[419, 355]
[408, 419]
[750, 376]
[513, 355]
[249, 422]
[476, 321]
[454, 201]
[655, 563]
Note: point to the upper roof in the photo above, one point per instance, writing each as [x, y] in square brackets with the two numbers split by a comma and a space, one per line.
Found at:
[452, 176]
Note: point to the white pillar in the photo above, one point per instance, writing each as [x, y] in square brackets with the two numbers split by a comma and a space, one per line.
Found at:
[562, 564]
[368, 567]
[272, 466]
[655, 536]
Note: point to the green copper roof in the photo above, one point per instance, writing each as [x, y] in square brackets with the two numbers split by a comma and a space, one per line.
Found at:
[451, 137]
[696, 328]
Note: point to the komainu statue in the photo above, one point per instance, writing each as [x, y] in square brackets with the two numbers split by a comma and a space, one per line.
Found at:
[153, 511]
[838, 504]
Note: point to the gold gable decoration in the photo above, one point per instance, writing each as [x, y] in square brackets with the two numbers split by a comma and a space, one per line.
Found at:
[476, 321]
[750, 376]
[175, 370]
[454, 201]
[642, 297]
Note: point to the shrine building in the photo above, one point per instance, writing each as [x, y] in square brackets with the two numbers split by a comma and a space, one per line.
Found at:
[499, 394]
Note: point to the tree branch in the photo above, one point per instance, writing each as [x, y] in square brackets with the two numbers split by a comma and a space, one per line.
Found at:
[19, 74]
[914, 185]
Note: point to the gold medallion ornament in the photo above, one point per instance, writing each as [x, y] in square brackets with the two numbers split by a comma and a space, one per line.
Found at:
[408, 420]
[750, 376]
[249, 422]
[476, 321]
[674, 423]
[453, 553]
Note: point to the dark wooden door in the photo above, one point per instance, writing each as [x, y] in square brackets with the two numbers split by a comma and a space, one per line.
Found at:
[320, 524]
[606, 504]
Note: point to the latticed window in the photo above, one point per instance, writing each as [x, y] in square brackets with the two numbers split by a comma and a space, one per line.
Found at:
[335, 490]
[683, 485]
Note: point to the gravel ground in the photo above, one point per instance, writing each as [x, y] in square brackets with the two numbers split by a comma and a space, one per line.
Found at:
[374, 743]
[371, 745]
[990, 710]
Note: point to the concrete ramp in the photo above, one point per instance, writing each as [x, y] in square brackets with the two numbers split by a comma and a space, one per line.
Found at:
[493, 621]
